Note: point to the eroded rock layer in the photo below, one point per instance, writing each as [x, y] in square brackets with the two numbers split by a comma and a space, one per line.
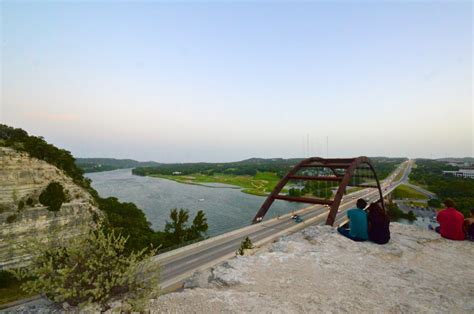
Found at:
[23, 219]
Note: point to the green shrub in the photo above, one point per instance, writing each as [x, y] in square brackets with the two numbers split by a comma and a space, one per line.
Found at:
[396, 213]
[7, 279]
[411, 216]
[4, 207]
[11, 218]
[245, 245]
[435, 203]
[53, 196]
[88, 269]
[30, 201]
[21, 205]
[294, 192]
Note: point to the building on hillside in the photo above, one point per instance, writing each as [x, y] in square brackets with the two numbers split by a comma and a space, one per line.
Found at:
[461, 173]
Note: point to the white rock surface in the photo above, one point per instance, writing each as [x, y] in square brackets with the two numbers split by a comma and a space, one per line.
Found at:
[317, 270]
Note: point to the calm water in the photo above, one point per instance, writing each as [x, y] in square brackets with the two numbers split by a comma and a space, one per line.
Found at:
[226, 207]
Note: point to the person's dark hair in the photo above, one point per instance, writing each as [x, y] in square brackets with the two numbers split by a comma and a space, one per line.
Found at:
[376, 209]
[361, 203]
[449, 203]
[472, 211]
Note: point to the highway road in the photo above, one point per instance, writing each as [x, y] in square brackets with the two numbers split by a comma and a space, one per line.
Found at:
[176, 266]
[406, 182]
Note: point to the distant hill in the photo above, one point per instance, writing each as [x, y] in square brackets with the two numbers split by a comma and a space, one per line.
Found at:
[106, 164]
[383, 165]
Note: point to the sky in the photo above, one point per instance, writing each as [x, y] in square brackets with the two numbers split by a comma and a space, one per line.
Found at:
[229, 80]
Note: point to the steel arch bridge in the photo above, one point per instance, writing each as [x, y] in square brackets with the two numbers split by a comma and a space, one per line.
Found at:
[337, 172]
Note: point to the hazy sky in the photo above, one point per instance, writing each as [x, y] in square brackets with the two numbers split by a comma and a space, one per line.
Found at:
[223, 81]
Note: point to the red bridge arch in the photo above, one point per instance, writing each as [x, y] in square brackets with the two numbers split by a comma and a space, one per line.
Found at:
[343, 171]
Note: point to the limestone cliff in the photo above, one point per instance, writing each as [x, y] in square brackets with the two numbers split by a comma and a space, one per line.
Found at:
[23, 218]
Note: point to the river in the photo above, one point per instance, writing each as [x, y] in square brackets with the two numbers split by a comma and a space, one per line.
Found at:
[226, 207]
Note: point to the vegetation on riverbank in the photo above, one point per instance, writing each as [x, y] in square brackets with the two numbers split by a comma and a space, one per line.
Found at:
[107, 164]
[255, 176]
[260, 184]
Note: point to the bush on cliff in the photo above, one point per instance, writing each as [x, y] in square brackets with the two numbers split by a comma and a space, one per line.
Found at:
[87, 269]
[245, 245]
[53, 196]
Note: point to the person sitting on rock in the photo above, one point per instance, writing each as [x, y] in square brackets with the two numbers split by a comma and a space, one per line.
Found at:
[379, 231]
[451, 222]
[357, 223]
[469, 226]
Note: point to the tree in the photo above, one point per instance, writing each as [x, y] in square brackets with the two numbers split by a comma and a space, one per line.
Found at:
[294, 192]
[411, 216]
[130, 221]
[434, 202]
[176, 229]
[199, 226]
[53, 196]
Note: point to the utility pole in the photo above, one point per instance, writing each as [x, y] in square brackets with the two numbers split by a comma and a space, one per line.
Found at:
[307, 145]
[327, 146]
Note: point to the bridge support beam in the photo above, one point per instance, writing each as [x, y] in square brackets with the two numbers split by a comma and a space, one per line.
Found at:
[348, 166]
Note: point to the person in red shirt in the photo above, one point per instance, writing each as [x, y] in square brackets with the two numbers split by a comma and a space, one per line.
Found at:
[451, 222]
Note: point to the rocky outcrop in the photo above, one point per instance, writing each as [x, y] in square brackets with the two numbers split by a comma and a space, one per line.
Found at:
[319, 271]
[23, 219]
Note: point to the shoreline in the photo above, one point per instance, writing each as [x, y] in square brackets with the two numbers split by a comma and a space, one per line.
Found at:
[228, 186]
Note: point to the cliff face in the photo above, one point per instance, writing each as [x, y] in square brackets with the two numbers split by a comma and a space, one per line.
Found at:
[22, 179]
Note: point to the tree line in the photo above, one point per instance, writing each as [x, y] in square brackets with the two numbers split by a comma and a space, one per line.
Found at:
[383, 167]
[429, 173]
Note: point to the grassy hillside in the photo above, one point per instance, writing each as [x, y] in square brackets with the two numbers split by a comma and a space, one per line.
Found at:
[260, 184]
[406, 192]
